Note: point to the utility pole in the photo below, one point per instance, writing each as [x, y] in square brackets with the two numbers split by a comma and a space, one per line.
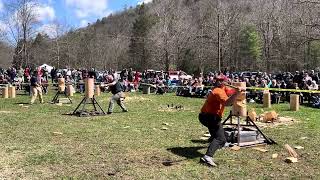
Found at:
[219, 42]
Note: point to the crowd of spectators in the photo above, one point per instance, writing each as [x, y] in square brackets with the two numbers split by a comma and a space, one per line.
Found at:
[197, 85]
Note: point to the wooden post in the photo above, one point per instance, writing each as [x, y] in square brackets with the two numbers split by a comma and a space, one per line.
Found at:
[12, 92]
[70, 90]
[61, 85]
[294, 102]
[267, 100]
[89, 87]
[97, 90]
[5, 93]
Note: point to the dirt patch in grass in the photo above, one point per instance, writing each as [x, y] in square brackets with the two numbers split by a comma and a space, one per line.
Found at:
[282, 121]
[136, 99]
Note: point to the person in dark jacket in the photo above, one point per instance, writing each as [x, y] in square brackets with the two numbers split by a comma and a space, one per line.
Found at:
[116, 89]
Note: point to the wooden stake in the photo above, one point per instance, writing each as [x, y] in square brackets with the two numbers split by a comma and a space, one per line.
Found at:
[294, 102]
[267, 100]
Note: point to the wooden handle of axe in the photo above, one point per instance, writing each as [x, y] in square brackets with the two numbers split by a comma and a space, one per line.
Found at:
[234, 87]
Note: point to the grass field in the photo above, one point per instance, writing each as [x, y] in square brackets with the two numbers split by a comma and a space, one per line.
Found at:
[133, 145]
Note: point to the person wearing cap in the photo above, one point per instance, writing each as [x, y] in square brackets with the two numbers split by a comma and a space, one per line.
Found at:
[36, 88]
[211, 115]
[116, 89]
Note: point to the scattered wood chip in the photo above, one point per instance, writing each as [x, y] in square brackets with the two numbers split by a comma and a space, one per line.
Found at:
[59, 104]
[299, 147]
[164, 128]
[291, 160]
[57, 133]
[260, 149]
[291, 152]
[6, 112]
[207, 135]
[204, 138]
[275, 156]
[20, 104]
[235, 148]
[303, 138]
[126, 127]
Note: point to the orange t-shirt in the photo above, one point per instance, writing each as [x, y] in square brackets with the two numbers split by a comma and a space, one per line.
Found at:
[215, 102]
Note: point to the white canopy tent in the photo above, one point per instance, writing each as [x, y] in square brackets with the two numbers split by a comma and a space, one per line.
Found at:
[49, 68]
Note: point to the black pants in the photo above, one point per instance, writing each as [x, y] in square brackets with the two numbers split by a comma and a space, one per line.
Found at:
[213, 123]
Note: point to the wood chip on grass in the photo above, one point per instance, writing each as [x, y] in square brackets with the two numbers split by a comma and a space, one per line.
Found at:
[260, 149]
[57, 133]
[235, 148]
[275, 156]
[291, 160]
[299, 147]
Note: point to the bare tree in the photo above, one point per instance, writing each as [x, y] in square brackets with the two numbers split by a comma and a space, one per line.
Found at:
[20, 18]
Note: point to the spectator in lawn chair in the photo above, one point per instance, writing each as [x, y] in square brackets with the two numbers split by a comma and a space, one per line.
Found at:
[160, 88]
[211, 115]
[117, 94]
[36, 88]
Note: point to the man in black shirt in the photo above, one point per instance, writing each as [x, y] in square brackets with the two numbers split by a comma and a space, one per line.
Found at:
[118, 96]
[36, 88]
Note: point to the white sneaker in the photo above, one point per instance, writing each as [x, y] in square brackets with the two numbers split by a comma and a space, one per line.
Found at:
[208, 160]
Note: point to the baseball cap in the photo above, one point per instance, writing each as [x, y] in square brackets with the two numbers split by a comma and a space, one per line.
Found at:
[221, 77]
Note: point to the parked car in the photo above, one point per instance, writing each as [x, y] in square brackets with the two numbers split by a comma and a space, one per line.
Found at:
[178, 74]
[248, 74]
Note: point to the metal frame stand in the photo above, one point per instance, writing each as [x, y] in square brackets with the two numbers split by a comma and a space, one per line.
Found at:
[248, 123]
[56, 97]
[98, 111]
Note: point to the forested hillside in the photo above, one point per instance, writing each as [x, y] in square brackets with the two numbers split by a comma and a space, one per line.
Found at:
[192, 35]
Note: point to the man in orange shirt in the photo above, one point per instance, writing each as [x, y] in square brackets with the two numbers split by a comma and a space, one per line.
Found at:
[211, 115]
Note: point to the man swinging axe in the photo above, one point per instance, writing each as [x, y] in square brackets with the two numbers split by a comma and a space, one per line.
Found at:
[211, 115]
[118, 96]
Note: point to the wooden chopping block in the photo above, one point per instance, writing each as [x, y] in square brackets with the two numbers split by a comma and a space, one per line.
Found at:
[89, 87]
[5, 92]
[270, 117]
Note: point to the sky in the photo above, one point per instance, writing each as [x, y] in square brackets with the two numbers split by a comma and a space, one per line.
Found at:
[74, 13]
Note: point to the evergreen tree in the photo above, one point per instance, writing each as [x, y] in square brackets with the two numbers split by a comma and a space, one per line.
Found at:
[250, 47]
[315, 54]
[138, 52]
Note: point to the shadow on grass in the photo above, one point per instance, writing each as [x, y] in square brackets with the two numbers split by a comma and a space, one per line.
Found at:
[187, 152]
[199, 141]
[24, 103]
